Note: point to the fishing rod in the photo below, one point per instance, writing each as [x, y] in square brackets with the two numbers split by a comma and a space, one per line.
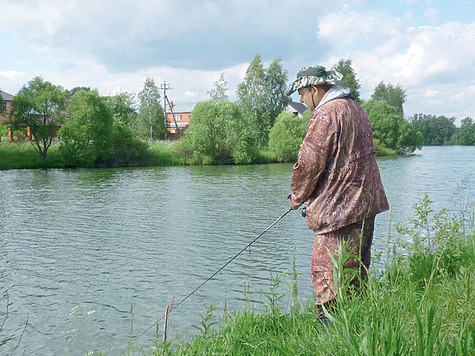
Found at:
[215, 273]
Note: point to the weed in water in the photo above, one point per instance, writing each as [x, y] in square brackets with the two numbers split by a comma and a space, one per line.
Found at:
[2, 325]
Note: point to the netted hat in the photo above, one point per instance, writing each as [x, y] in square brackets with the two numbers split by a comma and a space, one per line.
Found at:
[314, 75]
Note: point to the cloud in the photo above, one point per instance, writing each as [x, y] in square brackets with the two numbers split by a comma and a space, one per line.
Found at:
[345, 27]
[187, 85]
[185, 34]
[423, 59]
[431, 13]
[115, 45]
[9, 80]
[428, 55]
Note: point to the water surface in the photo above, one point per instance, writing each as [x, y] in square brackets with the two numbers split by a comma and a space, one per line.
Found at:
[123, 242]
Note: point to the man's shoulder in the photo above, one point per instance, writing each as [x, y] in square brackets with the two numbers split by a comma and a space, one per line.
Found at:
[335, 106]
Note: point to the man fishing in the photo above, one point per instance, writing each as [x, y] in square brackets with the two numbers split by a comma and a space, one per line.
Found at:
[336, 176]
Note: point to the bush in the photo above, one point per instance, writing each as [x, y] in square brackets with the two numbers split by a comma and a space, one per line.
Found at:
[382, 150]
[87, 134]
[128, 150]
[390, 128]
[220, 134]
[286, 136]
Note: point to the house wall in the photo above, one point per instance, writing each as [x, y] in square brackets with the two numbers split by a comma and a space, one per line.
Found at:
[182, 120]
[4, 114]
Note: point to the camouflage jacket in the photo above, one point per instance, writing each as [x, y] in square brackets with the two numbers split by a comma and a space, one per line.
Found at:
[336, 174]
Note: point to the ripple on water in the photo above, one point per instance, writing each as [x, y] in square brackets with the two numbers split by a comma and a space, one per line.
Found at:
[107, 239]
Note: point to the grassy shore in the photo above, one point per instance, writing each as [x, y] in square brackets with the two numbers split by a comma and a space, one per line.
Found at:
[162, 153]
[422, 303]
[23, 155]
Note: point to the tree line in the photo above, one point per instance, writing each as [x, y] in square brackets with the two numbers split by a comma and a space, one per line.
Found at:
[116, 131]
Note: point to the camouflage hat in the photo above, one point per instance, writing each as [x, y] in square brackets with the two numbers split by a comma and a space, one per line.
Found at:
[314, 75]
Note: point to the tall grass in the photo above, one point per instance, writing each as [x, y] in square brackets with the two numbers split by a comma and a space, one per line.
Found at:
[170, 153]
[23, 155]
[422, 304]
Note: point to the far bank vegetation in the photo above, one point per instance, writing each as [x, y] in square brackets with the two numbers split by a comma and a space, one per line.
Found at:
[121, 131]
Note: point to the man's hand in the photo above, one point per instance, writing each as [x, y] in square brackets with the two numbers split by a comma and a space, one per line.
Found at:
[293, 204]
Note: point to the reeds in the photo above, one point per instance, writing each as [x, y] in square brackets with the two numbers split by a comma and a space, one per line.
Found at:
[23, 155]
[421, 304]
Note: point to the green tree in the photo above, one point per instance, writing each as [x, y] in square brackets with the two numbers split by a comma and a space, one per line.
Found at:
[276, 89]
[38, 106]
[2, 104]
[261, 96]
[349, 77]
[286, 136]
[219, 134]
[208, 133]
[241, 135]
[436, 130]
[393, 95]
[150, 122]
[76, 89]
[252, 99]
[218, 93]
[3, 127]
[390, 128]
[467, 131]
[123, 108]
[87, 136]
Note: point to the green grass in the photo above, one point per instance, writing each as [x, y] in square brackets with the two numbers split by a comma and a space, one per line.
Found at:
[421, 304]
[162, 153]
[23, 155]
[391, 317]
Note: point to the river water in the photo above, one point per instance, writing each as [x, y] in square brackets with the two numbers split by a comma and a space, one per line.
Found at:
[119, 244]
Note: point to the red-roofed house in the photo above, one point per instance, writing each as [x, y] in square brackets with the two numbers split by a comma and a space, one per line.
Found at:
[182, 114]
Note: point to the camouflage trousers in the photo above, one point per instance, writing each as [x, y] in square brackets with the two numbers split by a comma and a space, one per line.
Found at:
[322, 265]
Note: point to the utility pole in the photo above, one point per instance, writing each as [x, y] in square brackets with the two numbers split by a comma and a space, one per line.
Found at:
[164, 87]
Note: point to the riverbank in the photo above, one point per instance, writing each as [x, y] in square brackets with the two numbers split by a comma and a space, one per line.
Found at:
[422, 303]
[160, 153]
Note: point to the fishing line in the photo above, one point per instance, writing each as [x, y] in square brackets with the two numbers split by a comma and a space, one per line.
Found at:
[219, 270]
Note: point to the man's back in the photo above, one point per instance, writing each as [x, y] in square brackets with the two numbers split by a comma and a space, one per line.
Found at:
[337, 155]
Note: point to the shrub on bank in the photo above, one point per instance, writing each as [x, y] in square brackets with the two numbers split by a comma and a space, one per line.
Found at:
[286, 136]
[170, 153]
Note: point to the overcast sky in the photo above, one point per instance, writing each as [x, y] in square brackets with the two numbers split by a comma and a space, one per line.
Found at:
[426, 46]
